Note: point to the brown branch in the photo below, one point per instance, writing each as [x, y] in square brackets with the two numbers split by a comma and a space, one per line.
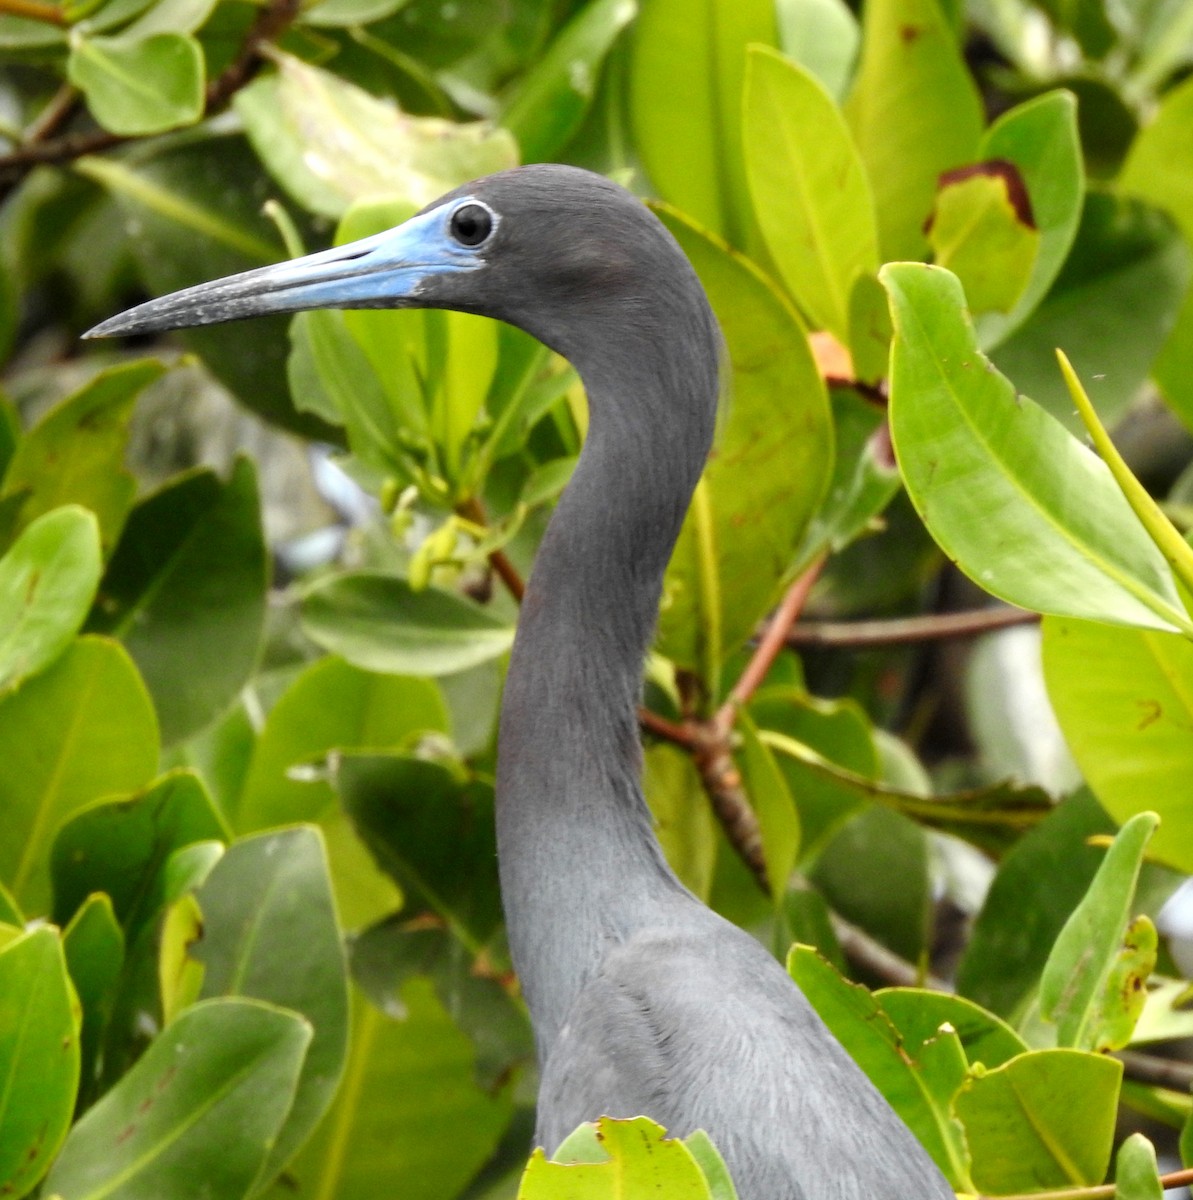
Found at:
[1173, 1179]
[873, 957]
[773, 639]
[36, 150]
[472, 510]
[34, 10]
[903, 631]
[57, 112]
[1159, 1072]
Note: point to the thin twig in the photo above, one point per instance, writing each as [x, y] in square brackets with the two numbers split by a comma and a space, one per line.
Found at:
[1173, 1179]
[269, 24]
[56, 113]
[472, 510]
[1159, 1072]
[873, 957]
[772, 641]
[34, 10]
[902, 631]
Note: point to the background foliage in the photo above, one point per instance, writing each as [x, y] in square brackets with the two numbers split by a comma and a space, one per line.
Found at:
[258, 581]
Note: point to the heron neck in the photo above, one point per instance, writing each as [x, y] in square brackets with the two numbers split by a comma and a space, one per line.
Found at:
[580, 863]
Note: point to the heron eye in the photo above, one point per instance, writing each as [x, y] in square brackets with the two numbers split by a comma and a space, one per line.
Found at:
[471, 224]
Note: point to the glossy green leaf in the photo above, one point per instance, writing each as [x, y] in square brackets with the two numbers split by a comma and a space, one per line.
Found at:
[1159, 169]
[865, 477]
[47, 581]
[196, 1115]
[915, 112]
[82, 729]
[1074, 991]
[918, 1090]
[983, 230]
[876, 873]
[1025, 509]
[683, 819]
[328, 142]
[823, 37]
[1127, 723]
[767, 474]
[396, 953]
[407, 1081]
[269, 932]
[1040, 139]
[686, 88]
[75, 454]
[712, 1165]
[39, 1057]
[379, 623]
[638, 1158]
[94, 946]
[190, 574]
[1039, 883]
[332, 705]
[193, 209]
[1110, 309]
[918, 1015]
[140, 85]
[771, 800]
[1135, 1173]
[120, 847]
[1021, 1139]
[810, 194]
[180, 977]
[434, 833]
[9, 913]
[550, 100]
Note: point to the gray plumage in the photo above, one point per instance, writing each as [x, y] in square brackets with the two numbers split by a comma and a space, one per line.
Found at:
[643, 1000]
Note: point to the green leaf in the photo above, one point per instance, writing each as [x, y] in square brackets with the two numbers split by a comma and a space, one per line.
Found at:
[121, 847]
[1021, 1139]
[1023, 508]
[865, 478]
[139, 85]
[1173, 368]
[395, 953]
[433, 833]
[39, 1057]
[332, 705]
[918, 1089]
[1128, 722]
[1111, 308]
[876, 873]
[328, 142]
[822, 36]
[767, 474]
[189, 574]
[778, 819]
[1135, 1173]
[983, 230]
[379, 623]
[918, 1015]
[196, 210]
[915, 113]
[269, 932]
[47, 581]
[639, 1159]
[1075, 989]
[549, 101]
[82, 729]
[1039, 883]
[94, 946]
[683, 819]
[75, 454]
[196, 1115]
[810, 194]
[1040, 139]
[409, 1110]
[686, 87]
[710, 1162]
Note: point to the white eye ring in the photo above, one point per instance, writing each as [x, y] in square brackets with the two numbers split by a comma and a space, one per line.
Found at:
[472, 223]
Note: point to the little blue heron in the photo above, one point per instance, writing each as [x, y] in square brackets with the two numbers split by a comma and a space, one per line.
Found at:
[643, 1000]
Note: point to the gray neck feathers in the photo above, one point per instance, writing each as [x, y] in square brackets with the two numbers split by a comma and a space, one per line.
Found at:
[580, 864]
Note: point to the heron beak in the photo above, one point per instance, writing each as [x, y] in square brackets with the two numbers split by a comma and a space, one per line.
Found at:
[383, 271]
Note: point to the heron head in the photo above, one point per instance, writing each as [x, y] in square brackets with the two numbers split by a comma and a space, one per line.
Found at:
[554, 250]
